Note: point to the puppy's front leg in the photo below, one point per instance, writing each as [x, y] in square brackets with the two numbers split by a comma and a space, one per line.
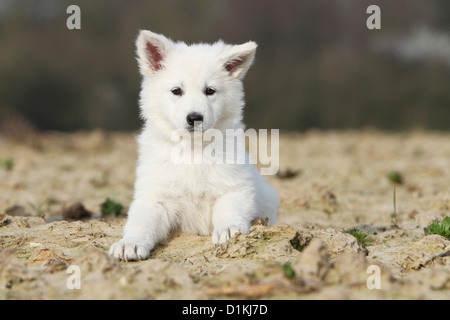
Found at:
[148, 223]
[232, 213]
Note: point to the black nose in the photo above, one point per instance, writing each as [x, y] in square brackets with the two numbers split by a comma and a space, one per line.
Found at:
[194, 116]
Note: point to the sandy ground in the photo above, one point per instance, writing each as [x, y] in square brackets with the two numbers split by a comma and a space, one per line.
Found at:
[338, 181]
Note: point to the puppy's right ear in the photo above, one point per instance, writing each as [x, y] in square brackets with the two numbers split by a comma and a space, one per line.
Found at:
[152, 49]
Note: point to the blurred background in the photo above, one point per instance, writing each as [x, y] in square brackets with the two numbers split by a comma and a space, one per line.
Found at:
[317, 65]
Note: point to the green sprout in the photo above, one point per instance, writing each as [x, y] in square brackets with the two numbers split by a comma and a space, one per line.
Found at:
[288, 270]
[361, 237]
[111, 207]
[6, 163]
[394, 219]
[395, 177]
[441, 228]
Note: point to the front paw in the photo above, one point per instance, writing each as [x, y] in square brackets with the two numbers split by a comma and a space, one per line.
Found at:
[222, 235]
[130, 249]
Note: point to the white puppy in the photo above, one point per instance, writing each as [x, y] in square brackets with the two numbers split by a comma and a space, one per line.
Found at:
[194, 88]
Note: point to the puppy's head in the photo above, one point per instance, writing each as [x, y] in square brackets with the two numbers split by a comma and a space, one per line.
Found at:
[192, 86]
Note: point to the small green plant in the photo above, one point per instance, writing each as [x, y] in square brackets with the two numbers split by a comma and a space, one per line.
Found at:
[439, 227]
[111, 207]
[288, 270]
[361, 237]
[395, 177]
[6, 163]
[394, 219]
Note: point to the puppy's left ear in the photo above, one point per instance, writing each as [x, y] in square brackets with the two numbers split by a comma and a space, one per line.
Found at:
[239, 58]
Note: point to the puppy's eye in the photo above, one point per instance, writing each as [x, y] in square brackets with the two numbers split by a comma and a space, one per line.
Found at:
[209, 91]
[177, 91]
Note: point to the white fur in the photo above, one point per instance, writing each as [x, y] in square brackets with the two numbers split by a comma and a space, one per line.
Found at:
[217, 199]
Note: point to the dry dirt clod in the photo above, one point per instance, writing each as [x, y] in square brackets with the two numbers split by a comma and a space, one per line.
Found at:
[16, 210]
[288, 173]
[339, 242]
[424, 219]
[300, 240]
[433, 243]
[412, 259]
[313, 261]
[242, 291]
[260, 221]
[77, 211]
[3, 219]
[45, 257]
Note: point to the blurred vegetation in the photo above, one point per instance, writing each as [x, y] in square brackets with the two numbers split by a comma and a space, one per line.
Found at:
[361, 237]
[441, 228]
[111, 207]
[317, 65]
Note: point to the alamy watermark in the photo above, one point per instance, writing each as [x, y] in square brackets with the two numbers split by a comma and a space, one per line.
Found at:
[213, 146]
[74, 20]
[374, 20]
[74, 280]
[374, 280]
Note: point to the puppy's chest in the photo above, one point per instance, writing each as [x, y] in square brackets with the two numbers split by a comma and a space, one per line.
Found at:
[198, 182]
[194, 197]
